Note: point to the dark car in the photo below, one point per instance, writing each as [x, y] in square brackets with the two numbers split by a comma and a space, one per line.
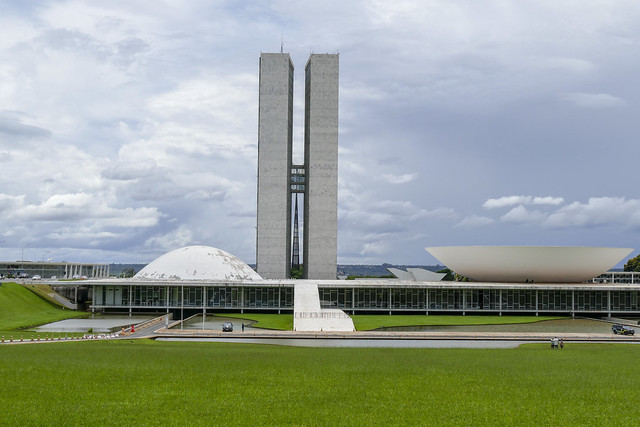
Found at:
[227, 327]
[621, 329]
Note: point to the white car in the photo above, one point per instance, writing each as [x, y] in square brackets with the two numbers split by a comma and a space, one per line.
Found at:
[36, 277]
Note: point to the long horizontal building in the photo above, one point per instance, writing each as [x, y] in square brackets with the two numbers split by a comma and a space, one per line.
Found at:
[375, 296]
[57, 270]
[200, 279]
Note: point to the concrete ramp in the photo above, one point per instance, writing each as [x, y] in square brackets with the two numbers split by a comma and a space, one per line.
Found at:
[64, 301]
[308, 316]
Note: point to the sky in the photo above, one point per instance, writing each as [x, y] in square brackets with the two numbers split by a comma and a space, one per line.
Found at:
[129, 128]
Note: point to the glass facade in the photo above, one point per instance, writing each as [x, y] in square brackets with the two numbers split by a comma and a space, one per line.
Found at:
[479, 300]
[353, 299]
[628, 277]
[123, 296]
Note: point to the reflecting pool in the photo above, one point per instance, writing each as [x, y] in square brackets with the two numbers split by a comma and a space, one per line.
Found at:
[102, 323]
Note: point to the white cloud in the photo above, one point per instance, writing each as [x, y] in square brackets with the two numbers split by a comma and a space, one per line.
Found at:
[521, 200]
[593, 100]
[522, 215]
[598, 211]
[553, 201]
[176, 238]
[9, 202]
[506, 201]
[85, 207]
[473, 221]
[399, 179]
[372, 248]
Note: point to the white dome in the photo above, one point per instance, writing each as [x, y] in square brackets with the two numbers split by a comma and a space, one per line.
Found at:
[543, 264]
[198, 263]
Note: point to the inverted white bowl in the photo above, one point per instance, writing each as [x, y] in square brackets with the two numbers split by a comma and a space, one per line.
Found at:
[516, 264]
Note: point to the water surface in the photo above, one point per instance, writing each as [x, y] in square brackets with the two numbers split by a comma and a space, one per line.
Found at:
[102, 323]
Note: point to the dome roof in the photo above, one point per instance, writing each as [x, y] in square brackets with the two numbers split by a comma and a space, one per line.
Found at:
[543, 264]
[198, 263]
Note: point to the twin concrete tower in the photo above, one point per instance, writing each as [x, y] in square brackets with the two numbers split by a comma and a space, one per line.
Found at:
[279, 179]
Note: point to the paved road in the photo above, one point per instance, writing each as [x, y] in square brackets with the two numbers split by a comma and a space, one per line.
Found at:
[394, 335]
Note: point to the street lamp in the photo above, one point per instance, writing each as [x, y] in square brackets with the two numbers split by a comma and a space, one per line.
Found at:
[22, 256]
[42, 273]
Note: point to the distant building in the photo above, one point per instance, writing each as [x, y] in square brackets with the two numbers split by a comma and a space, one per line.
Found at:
[60, 270]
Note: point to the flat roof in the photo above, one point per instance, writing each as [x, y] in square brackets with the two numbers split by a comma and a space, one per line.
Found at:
[373, 283]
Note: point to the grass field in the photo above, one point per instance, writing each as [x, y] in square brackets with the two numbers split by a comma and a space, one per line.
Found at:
[21, 308]
[368, 322]
[282, 322]
[167, 383]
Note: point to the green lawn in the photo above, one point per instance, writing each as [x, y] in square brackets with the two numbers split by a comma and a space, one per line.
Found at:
[282, 322]
[368, 322]
[21, 308]
[186, 383]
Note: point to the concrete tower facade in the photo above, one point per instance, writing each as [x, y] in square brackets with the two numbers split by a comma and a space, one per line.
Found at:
[317, 178]
[275, 139]
[320, 242]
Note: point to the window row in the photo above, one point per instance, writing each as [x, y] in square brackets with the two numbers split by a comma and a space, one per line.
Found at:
[193, 296]
[478, 299]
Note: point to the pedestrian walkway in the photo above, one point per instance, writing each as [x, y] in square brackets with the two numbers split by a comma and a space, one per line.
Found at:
[309, 316]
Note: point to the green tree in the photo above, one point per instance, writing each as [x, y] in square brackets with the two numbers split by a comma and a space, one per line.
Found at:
[633, 264]
[128, 272]
[452, 276]
[296, 273]
[449, 275]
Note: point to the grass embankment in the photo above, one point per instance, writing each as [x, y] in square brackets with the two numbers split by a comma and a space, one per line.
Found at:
[20, 308]
[168, 383]
[43, 292]
[369, 322]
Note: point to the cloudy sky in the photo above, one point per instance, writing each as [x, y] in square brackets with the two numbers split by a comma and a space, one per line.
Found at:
[129, 128]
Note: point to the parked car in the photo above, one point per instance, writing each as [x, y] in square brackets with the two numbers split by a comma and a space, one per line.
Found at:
[621, 329]
[36, 277]
[227, 327]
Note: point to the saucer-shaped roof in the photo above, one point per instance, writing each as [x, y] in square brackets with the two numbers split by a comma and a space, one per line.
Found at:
[519, 264]
[198, 263]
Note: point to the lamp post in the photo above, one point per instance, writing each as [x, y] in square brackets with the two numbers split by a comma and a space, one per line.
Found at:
[42, 273]
[22, 256]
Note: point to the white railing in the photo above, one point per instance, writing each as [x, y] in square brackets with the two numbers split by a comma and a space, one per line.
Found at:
[320, 315]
